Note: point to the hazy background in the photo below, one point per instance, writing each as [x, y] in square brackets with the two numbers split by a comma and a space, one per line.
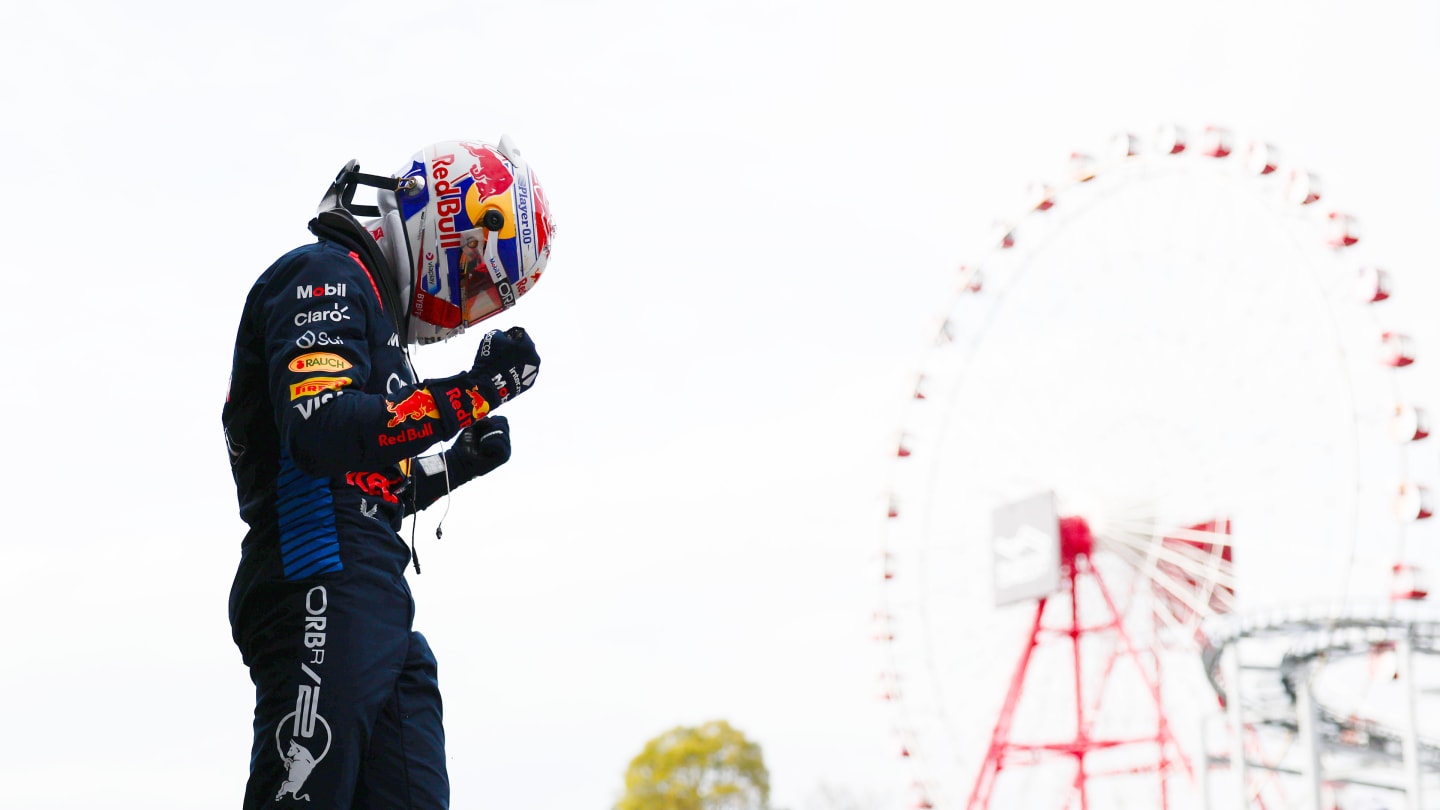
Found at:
[758, 207]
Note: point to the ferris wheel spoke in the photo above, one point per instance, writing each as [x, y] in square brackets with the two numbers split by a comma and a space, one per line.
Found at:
[1200, 571]
[1208, 585]
[1172, 586]
[1158, 532]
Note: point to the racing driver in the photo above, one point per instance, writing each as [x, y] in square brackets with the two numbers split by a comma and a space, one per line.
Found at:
[326, 425]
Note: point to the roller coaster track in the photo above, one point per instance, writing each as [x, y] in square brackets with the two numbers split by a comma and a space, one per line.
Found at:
[1295, 643]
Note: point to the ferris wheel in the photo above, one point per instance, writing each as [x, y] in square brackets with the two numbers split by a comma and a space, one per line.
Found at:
[1168, 391]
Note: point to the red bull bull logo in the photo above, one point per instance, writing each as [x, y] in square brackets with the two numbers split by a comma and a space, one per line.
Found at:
[419, 405]
[478, 406]
[488, 171]
[465, 415]
[317, 385]
[544, 226]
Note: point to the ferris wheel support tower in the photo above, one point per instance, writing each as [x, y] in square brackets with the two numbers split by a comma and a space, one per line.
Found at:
[1076, 544]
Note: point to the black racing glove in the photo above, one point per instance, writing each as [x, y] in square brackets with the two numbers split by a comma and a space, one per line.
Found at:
[477, 450]
[506, 365]
[483, 446]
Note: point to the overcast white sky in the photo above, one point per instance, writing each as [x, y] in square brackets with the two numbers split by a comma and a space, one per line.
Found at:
[758, 205]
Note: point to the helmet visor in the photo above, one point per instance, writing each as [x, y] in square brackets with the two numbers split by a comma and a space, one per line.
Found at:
[484, 287]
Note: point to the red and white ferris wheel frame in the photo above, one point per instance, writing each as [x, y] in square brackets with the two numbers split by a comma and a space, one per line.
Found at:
[1373, 285]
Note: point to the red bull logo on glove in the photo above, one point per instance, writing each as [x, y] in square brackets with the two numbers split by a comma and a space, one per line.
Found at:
[478, 406]
[466, 415]
[457, 404]
[419, 405]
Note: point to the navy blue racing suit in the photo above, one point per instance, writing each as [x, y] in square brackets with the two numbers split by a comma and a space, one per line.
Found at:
[322, 420]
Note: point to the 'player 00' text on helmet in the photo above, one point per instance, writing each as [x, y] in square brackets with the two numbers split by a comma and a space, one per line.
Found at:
[470, 232]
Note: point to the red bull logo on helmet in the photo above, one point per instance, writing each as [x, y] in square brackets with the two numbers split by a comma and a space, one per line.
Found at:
[544, 227]
[418, 405]
[448, 196]
[491, 172]
[440, 166]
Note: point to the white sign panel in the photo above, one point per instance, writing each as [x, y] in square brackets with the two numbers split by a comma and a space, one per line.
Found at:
[1026, 549]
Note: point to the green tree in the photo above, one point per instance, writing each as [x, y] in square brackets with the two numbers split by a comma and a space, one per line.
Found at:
[707, 767]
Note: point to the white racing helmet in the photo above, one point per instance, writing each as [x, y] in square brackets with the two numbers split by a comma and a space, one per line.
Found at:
[468, 231]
